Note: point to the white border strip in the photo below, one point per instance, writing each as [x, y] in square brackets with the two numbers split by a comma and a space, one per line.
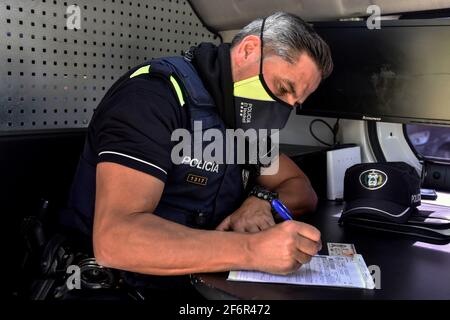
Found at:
[375, 209]
[127, 156]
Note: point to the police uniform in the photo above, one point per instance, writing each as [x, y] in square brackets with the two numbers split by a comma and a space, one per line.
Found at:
[132, 127]
[134, 123]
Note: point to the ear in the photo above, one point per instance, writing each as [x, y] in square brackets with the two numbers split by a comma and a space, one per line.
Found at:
[249, 50]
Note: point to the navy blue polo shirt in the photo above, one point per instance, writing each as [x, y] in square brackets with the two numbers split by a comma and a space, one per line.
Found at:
[133, 127]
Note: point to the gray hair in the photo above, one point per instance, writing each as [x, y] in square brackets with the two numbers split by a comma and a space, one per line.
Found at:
[287, 36]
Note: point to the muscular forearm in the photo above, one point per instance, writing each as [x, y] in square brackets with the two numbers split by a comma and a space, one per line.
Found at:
[148, 244]
[298, 195]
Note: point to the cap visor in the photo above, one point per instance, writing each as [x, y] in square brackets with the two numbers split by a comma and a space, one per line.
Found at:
[377, 209]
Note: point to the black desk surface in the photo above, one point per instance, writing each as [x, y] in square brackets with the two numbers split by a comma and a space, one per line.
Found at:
[408, 271]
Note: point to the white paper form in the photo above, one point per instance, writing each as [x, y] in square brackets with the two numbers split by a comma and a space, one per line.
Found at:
[334, 271]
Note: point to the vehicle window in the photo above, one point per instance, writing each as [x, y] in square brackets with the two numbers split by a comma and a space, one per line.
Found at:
[430, 142]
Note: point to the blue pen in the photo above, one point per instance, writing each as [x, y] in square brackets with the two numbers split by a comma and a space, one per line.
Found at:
[281, 209]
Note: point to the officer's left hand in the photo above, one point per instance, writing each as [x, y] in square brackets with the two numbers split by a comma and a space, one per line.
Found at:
[252, 216]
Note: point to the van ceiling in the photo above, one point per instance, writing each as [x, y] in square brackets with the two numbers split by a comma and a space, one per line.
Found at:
[222, 15]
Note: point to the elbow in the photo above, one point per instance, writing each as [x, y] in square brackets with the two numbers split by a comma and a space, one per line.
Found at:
[103, 245]
[310, 202]
[314, 201]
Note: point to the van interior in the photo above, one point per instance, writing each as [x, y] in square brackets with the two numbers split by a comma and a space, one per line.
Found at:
[387, 100]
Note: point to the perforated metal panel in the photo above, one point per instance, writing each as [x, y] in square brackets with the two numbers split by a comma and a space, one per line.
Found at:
[52, 76]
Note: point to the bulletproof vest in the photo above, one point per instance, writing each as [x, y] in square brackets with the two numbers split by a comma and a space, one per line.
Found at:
[197, 193]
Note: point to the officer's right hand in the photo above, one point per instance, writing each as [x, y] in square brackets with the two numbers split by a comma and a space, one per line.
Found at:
[283, 248]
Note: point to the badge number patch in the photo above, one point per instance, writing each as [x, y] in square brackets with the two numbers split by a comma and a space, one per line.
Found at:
[198, 180]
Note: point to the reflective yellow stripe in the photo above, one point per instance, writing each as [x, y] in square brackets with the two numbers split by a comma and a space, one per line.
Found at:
[141, 70]
[177, 90]
[146, 69]
[251, 88]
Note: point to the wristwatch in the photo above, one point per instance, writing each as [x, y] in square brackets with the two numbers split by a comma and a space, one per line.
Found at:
[278, 208]
[264, 194]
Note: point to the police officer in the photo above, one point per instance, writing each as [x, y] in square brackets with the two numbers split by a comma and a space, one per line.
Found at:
[149, 215]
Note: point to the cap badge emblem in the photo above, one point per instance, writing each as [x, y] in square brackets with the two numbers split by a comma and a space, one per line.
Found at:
[373, 179]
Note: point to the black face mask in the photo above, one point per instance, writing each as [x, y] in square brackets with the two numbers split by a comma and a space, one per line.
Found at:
[255, 105]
